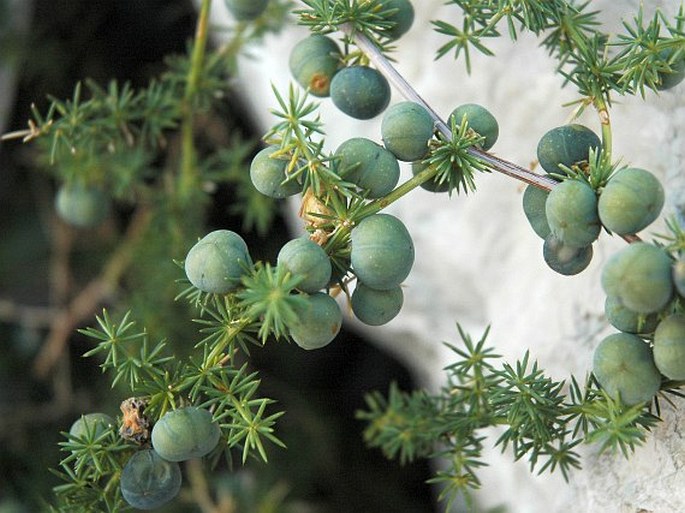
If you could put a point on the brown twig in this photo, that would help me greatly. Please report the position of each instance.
(87, 301)
(199, 487)
(497, 164)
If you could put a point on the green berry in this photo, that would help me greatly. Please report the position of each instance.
(81, 206)
(369, 166)
(376, 307)
(305, 258)
(567, 145)
(631, 200)
(639, 275)
(314, 61)
(147, 481)
(216, 262)
(678, 274)
(269, 175)
(625, 320)
(318, 322)
(624, 366)
(406, 129)
(480, 120)
(246, 10)
(534, 200)
(675, 76)
(669, 347)
(564, 259)
(360, 92)
(92, 423)
(185, 433)
(402, 17)
(382, 251)
(571, 210)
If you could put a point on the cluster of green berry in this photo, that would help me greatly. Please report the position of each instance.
(591, 195)
(644, 282)
(380, 248)
(217, 262)
(645, 287)
(151, 476)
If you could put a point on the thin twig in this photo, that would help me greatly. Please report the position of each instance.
(199, 487)
(30, 316)
(87, 301)
(495, 163)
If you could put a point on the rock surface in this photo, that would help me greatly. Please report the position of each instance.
(478, 262)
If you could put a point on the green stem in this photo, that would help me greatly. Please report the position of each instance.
(112, 482)
(217, 352)
(411, 184)
(605, 122)
(189, 171)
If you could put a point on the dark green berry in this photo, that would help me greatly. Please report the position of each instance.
(567, 145)
(639, 275)
(148, 481)
(185, 433)
(625, 320)
(216, 262)
(269, 175)
(631, 200)
(669, 347)
(624, 367)
(406, 129)
(675, 76)
(304, 258)
(480, 120)
(318, 321)
(402, 17)
(246, 10)
(679, 275)
(360, 92)
(94, 424)
(534, 200)
(82, 206)
(376, 307)
(314, 61)
(368, 165)
(432, 185)
(382, 252)
(571, 210)
(565, 259)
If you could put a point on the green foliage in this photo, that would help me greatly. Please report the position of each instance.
(541, 419)
(587, 57)
(451, 161)
(164, 383)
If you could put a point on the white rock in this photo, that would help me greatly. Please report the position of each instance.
(478, 263)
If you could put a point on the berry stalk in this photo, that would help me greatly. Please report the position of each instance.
(396, 79)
